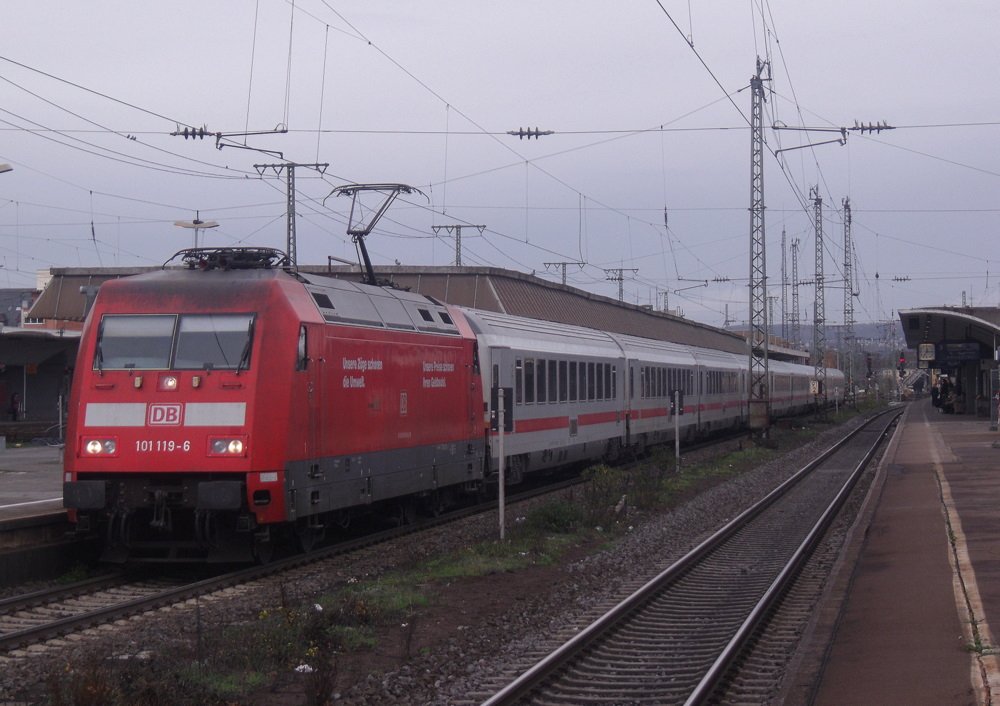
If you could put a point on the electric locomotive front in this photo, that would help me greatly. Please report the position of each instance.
(169, 451)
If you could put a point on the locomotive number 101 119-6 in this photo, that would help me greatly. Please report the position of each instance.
(161, 446)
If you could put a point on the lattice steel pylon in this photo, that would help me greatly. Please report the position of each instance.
(784, 288)
(793, 318)
(759, 392)
(849, 397)
(819, 312)
(289, 168)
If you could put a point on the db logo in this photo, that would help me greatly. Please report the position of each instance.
(164, 415)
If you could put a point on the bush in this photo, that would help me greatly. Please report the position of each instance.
(559, 517)
(604, 489)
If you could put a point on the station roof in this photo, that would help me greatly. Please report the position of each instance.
(491, 289)
(63, 298)
(23, 346)
(964, 324)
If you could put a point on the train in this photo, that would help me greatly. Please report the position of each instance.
(231, 403)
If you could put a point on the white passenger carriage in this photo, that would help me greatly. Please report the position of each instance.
(581, 394)
(722, 388)
(567, 383)
(656, 371)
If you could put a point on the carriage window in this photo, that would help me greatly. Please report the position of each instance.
(591, 379)
(518, 382)
(214, 341)
(600, 381)
(542, 394)
(529, 381)
(141, 342)
(607, 381)
(572, 381)
(553, 385)
(563, 381)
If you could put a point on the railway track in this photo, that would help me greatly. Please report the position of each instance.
(37, 616)
(53, 612)
(57, 611)
(677, 638)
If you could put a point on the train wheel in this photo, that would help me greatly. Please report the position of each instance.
(407, 512)
(308, 537)
(614, 453)
(439, 502)
(263, 549)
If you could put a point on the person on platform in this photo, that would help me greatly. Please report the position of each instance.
(14, 409)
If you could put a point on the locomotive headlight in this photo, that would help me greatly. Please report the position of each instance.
(100, 447)
(168, 383)
(226, 446)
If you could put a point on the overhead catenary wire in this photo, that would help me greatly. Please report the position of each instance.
(685, 237)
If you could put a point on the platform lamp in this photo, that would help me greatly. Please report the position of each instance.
(197, 225)
(6, 168)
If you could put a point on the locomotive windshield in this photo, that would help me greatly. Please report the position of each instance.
(187, 342)
(219, 341)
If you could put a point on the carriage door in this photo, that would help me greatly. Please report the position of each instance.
(313, 362)
(699, 381)
(629, 394)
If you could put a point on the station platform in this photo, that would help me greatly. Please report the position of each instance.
(30, 482)
(912, 613)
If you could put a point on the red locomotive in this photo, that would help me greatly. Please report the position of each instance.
(218, 403)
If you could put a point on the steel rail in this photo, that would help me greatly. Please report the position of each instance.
(531, 679)
(15, 639)
(19, 638)
(713, 677)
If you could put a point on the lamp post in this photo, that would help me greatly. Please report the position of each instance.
(197, 225)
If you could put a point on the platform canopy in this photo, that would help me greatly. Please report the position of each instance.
(959, 334)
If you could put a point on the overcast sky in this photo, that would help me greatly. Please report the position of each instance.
(647, 170)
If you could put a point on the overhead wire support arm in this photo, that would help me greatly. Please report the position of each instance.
(693, 286)
(842, 140)
(563, 266)
(617, 274)
(457, 228)
(289, 169)
(201, 132)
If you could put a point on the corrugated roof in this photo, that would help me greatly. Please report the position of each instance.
(62, 299)
(519, 294)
